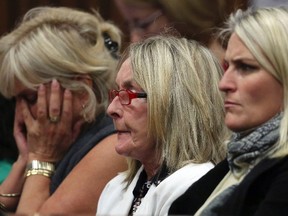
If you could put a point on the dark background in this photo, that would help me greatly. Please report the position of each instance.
(11, 11)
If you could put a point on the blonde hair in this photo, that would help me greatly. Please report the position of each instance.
(265, 33)
(65, 44)
(185, 106)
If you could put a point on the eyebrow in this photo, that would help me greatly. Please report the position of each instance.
(240, 58)
(128, 84)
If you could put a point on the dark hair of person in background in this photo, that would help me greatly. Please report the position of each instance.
(194, 19)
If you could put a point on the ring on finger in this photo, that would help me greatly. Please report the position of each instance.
(54, 119)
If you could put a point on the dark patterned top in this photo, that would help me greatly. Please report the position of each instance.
(143, 185)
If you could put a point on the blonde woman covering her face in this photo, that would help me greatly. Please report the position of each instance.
(163, 111)
(59, 64)
(253, 179)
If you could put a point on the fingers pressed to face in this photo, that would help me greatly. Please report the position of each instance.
(19, 131)
(67, 107)
(18, 111)
(41, 104)
(55, 100)
(26, 114)
(18, 117)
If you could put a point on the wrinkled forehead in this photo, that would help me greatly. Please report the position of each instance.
(125, 77)
(125, 73)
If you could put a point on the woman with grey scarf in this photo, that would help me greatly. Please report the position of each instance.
(253, 179)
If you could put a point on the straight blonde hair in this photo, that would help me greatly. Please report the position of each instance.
(185, 106)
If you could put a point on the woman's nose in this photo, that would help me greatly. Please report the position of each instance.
(227, 82)
(113, 110)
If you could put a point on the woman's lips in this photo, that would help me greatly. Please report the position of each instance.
(230, 104)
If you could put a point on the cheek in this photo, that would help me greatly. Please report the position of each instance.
(255, 95)
(138, 122)
(142, 131)
(263, 101)
(267, 96)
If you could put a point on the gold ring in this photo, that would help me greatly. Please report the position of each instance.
(54, 119)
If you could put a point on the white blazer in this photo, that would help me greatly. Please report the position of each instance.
(116, 200)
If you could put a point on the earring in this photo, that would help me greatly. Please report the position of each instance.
(84, 115)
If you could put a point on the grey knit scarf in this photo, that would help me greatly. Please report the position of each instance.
(244, 151)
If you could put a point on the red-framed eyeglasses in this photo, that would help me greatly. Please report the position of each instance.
(125, 95)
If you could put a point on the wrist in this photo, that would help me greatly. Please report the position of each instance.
(36, 167)
(40, 157)
(21, 161)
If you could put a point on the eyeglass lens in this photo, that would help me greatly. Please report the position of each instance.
(123, 96)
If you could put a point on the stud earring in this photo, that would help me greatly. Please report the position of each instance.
(84, 115)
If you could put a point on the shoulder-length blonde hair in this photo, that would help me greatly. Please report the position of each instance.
(64, 44)
(265, 33)
(185, 106)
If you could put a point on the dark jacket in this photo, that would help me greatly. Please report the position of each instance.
(101, 128)
(264, 191)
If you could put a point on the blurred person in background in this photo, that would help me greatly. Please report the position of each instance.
(193, 19)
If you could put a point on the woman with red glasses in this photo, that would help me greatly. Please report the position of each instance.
(164, 114)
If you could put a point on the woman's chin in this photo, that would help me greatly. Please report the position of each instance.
(122, 149)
